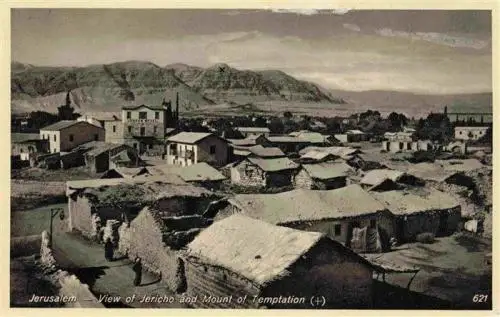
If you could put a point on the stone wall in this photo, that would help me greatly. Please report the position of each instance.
(80, 217)
(24, 246)
(144, 239)
(69, 285)
(204, 280)
(246, 174)
(303, 180)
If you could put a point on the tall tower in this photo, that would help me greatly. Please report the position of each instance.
(176, 106)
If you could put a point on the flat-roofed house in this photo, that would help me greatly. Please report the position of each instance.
(65, 135)
(235, 257)
(326, 175)
(263, 172)
(470, 133)
(428, 210)
(26, 144)
(187, 148)
(253, 131)
(396, 142)
(335, 213)
(387, 179)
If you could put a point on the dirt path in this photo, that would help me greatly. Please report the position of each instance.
(86, 260)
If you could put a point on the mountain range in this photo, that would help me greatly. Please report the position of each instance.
(108, 87)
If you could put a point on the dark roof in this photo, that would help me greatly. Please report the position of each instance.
(58, 126)
(160, 107)
(103, 148)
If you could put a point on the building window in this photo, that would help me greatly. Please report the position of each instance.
(373, 223)
(114, 128)
(96, 137)
(143, 115)
(55, 150)
(129, 114)
(21, 151)
(212, 149)
(408, 146)
(54, 137)
(71, 138)
(155, 129)
(401, 145)
(129, 129)
(460, 132)
(143, 130)
(338, 230)
(157, 115)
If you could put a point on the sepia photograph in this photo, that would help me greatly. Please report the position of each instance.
(251, 158)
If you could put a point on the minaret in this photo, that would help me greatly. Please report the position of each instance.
(68, 99)
(177, 106)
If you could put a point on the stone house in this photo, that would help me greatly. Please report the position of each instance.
(253, 131)
(26, 144)
(403, 142)
(352, 136)
(240, 148)
(263, 172)
(200, 174)
(387, 179)
(64, 136)
(436, 175)
(336, 213)
(91, 203)
(288, 144)
(328, 175)
(249, 265)
(315, 138)
(344, 152)
(125, 172)
(100, 158)
(317, 156)
(470, 133)
(99, 118)
(187, 148)
(427, 210)
(161, 229)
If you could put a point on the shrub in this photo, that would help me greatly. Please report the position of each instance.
(425, 237)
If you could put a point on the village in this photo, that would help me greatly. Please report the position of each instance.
(361, 218)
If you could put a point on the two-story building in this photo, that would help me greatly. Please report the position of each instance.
(65, 135)
(143, 127)
(470, 133)
(187, 148)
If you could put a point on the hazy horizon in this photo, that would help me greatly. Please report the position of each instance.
(422, 52)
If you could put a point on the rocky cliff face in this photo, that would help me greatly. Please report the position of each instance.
(111, 86)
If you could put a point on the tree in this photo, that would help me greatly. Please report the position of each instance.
(287, 115)
(40, 119)
(276, 126)
(396, 121)
(290, 126)
(333, 126)
(436, 127)
(260, 122)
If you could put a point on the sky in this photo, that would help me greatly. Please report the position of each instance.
(421, 51)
